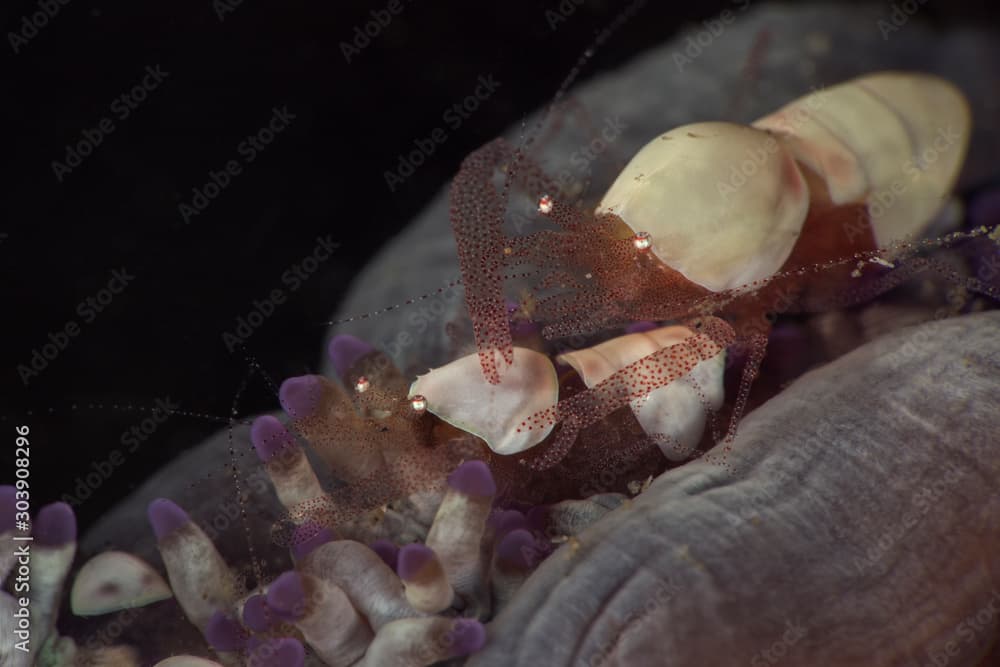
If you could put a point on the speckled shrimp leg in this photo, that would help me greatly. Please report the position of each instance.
(632, 381)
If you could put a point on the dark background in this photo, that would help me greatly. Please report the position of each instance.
(324, 175)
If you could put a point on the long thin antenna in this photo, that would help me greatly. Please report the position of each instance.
(526, 139)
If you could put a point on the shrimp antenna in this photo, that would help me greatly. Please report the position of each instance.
(451, 284)
(396, 306)
(526, 139)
